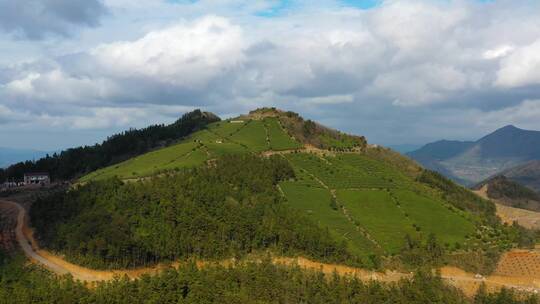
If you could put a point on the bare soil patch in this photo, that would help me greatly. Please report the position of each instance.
(526, 218)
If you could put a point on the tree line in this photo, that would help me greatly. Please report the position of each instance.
(246, 283)
(77, 161)
(227, 209)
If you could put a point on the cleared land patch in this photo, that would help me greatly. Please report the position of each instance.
(519, 263)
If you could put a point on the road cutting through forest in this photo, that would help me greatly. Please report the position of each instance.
(467, 282)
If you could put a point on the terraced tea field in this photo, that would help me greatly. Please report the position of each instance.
(252, 136)
(431, 215)
(220, 138)
(378, 200)
(279, 139)
(367, 208)
(187, 154)
(349, 171)
(316, 203)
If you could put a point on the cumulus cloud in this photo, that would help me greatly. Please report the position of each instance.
(521, 68)
(35, 19)
(400, 67)
(187, 55)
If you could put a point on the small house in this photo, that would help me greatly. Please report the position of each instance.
(37, 178)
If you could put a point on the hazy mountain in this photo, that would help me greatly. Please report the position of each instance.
(470, 162)
(10, 156)
(405, 148)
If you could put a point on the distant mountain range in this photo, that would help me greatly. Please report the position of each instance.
(470, 162)
(405, 148)
(10, 156)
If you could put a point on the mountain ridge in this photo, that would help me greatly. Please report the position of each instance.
(470, 162)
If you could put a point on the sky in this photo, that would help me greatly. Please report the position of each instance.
(73, 72)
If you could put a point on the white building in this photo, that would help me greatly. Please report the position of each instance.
(38, 178)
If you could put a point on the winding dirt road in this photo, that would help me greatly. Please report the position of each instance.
(468, 282)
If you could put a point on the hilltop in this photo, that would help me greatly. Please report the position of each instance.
(470, 162)
(271, 180)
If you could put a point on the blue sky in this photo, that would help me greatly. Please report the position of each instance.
(73, 72)
(283, 6)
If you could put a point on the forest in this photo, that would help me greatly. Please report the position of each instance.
(245, 283)
(228, 209)
(75, 162)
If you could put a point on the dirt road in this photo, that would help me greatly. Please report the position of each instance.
(466, 281)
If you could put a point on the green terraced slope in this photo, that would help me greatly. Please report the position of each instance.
(366, 197)
(220, 138)
(376, 198)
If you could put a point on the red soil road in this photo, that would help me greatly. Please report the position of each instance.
(468, 282)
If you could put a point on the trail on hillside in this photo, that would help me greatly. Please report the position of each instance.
(468, 282)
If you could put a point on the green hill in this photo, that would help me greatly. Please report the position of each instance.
(263, 130)
(75, 162)
(356, 203)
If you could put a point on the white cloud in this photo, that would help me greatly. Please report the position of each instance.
(498, 52)
(525, 115)
(414, 61)
(521, 68)
(187, 55)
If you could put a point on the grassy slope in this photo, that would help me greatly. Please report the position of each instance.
(219, 138)
(315, 201)
(378, 198)
(279, 140)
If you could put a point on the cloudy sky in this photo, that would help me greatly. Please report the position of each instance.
(398, 71)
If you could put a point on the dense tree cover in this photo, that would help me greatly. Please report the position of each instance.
(77, 161)
(246, 283)
(227, 209)
(458, 196)
(500, 187)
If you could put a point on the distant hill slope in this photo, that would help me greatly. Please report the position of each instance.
(510, 193)
(527, 174)
(471, 162)
(373, 200)
(75, 162)
(10, 156)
